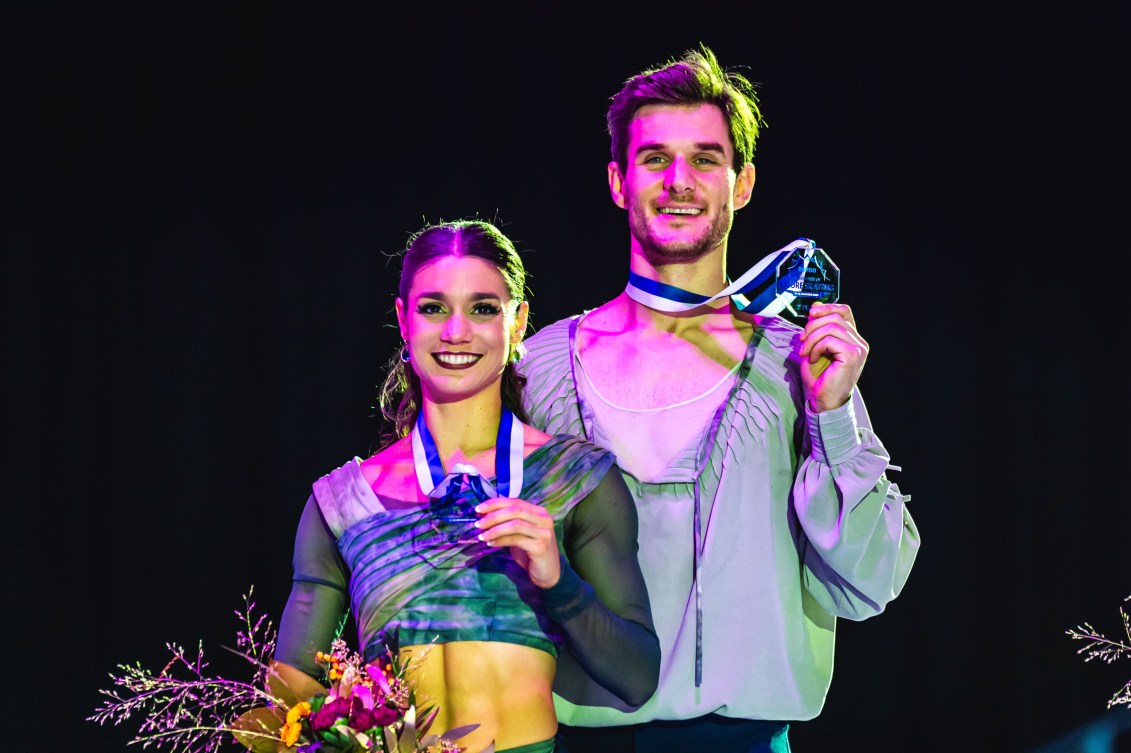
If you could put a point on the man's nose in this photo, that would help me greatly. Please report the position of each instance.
(680, 176)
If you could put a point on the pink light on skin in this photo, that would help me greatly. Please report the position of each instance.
(680, 188)
(459, 322)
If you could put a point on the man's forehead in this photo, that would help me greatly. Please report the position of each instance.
(679, 124)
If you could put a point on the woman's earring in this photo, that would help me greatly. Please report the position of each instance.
(405, 355)
(518, 352)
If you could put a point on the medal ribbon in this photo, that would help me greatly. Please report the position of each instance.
(508, 456)
(756, 290)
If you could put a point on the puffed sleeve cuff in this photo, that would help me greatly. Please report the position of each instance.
(833, 434)
(569, 596)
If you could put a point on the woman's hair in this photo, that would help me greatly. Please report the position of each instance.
(399, 398)
(696, 78)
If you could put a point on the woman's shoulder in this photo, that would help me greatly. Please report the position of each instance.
(369, 469)
(390, 472)
(564, 471)
(356, 488)
(533, 439)
(572, 455)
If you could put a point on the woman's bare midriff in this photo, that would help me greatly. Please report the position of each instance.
(505, 688)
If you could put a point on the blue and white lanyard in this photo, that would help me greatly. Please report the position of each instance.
(508, 456)
(756, 290)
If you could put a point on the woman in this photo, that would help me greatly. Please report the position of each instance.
(481, 606)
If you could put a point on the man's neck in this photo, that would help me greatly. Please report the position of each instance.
(704, 276)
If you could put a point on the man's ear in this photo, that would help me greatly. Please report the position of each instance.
(616, 184)
(744, 186)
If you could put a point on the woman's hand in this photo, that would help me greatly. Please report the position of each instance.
(529, 532)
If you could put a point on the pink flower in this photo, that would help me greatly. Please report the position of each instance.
(379, 679)
(365, 694)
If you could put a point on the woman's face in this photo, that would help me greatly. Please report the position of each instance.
(459, 323)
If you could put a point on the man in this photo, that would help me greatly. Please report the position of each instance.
(765, 512)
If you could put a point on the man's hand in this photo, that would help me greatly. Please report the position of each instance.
(529, 532)
(832, 355)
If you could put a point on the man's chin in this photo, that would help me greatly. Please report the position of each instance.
(674, 253)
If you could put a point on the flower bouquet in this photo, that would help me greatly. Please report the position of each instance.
(366, 707)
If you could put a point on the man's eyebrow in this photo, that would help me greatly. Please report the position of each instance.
(700, 146)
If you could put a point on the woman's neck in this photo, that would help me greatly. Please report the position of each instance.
(464, 429)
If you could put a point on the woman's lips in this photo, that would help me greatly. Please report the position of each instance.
(457, 360)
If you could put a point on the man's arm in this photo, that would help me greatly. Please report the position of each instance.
(860, 540)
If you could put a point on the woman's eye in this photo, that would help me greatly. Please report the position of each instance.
(429, 308)
(485, 309)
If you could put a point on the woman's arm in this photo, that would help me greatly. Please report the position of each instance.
(318, 601)
(601, 601)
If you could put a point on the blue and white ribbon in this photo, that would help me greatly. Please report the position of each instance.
(756, 290)
(508, 457)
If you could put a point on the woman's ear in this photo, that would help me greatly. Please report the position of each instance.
(399, 306)
(518, 329)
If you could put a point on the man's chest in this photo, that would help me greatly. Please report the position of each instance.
(639, 377)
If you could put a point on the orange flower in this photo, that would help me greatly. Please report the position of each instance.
(290, 734)
(293, 727)
(298, 711)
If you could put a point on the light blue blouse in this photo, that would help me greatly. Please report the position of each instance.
(751, 545)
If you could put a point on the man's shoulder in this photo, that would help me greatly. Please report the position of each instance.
(551, 332)
(548, 375)
(548, 347)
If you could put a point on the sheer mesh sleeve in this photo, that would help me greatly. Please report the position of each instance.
(601, 602)
(318, 600)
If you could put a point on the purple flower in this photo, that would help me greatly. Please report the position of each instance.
(331, 711)
(362, 718)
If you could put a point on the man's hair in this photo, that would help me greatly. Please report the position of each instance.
(695, 78)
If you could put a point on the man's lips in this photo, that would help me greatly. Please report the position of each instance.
(680, 211)
(457, 360)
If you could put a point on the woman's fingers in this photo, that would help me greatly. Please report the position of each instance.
(529, 532)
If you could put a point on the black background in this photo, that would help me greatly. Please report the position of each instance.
(199, 208)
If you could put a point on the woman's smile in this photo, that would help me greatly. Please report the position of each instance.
(457, 360)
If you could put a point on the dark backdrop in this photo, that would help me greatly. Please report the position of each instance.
(199, 208)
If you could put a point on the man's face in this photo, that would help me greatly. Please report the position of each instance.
(679, 186)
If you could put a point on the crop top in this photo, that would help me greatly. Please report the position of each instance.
(405, 590)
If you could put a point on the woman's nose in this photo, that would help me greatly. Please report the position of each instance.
(456, 329)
